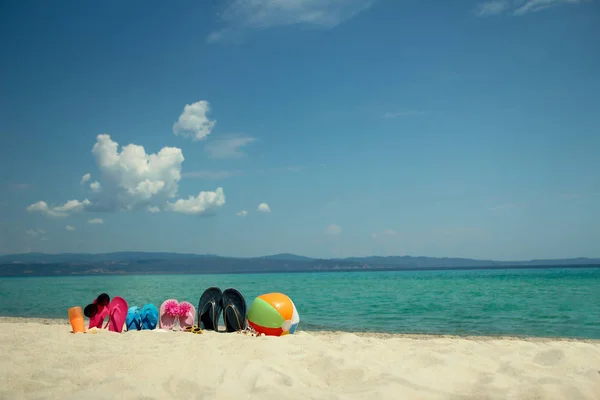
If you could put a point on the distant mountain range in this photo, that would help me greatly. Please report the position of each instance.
(41, 264)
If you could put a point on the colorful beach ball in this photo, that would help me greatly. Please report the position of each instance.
(273, 314)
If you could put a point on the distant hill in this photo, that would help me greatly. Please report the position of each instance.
(445, 262)
(40, 264)
(287, 257)
(87, 257)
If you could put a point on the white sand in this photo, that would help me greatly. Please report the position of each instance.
(41, 359)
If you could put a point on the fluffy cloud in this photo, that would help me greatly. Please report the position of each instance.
(95, 221)
(95, 186)
(242, 213)
(333, 230)
(134, 180)
(69, 228)
(205, 201)
(264, 208)
(58, 211)
(263, 14)
(85, 178)
(194, 122)
(228, 146)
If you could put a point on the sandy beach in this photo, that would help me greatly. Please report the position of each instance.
(43, 360)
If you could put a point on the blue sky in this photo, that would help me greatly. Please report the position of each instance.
(324, 128)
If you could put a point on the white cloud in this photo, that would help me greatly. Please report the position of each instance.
(85, 178)
(58, 211)
(153, 209)
(263, 14)
(212, 175)
(385, 233)
(194, 122)
(69, 228)
(40, 206)
(95, 186)
(242, 213)
(201, 204)
(72, 206)
(228, 146)
(264, 208)
(333, 229)
(131, 180)
(519, 7)
(491, 8)
(95, 221)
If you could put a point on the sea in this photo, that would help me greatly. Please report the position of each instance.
(516, 302)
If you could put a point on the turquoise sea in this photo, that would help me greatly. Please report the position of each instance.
(526, 302)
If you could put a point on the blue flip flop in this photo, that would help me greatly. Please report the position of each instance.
(149, 317)
(134, 319)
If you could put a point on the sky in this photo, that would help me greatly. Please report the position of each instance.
(326, 128)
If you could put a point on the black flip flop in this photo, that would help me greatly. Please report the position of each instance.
(234, 310)
(92, 309)
(209, 309)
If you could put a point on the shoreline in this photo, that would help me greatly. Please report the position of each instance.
(363, 334)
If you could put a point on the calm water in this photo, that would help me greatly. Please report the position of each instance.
(553, 302)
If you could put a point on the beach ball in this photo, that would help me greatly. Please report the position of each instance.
(273, 314)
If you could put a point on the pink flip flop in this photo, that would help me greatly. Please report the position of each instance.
(117, 314)
(187, 315)
(169, 310)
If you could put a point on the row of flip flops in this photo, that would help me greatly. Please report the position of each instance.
(119, 315)
(213, 302)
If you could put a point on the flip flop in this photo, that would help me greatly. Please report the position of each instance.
(187, 315)
(209, 309)
(234, 310)
(149, 316)
(117, 314)
(97, 311)
(169, 310)
(133, 320)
